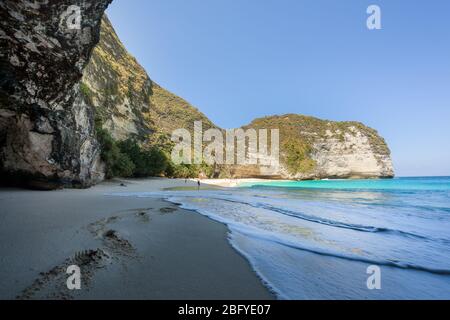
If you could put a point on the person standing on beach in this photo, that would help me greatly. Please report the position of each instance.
(198, 184)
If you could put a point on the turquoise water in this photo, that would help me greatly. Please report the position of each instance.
(316, 239)
(419, 183)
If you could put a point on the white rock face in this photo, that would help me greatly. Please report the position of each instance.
(352, 158)
(353, 151)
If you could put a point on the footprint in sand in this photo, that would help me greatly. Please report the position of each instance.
(52, 284)
(167, 210)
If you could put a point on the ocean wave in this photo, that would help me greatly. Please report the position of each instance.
(268, 236)
(318, 243)
(322, 252)
(356, 227)
(329, 222)
(247, 201)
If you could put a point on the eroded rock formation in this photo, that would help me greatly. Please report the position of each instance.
(312, 148)
(126, 100)
(58, 73)
(47, 136)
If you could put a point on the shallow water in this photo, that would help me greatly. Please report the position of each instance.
(315, 239)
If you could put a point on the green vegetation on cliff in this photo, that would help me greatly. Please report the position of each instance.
(147, 162)
(138, 117)
(127, 159)
(297, 156)
(299, 134)
(117, 163)
(127, 100)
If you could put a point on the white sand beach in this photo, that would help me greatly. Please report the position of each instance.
(127, 248)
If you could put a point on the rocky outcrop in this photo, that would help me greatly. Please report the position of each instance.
(312, 148)
(126, 100)
(60, 74)
(129, 104)
(47, 136)
(354, 155)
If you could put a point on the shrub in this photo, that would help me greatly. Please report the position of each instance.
(151, 162)
(117, 163)
(297, 157)
(128, 159)
(189, 170)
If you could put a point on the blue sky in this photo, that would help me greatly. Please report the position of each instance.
(240, 59)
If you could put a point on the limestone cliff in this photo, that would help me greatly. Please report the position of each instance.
(131, 104)
(311, 148)
(127, 101)
(54, 82)
(47, 136)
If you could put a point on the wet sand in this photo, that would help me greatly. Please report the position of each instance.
(127, 248)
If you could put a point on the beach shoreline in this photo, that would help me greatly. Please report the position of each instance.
(128, 247)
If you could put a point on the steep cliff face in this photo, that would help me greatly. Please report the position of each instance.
(359, 153)
(311, 148)
(55, 81)
(130, 104)
(46, 126)
(127, 101)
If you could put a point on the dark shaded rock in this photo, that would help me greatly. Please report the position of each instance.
(47, 134)
(168, 210)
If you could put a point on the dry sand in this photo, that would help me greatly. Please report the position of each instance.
(127, 248)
